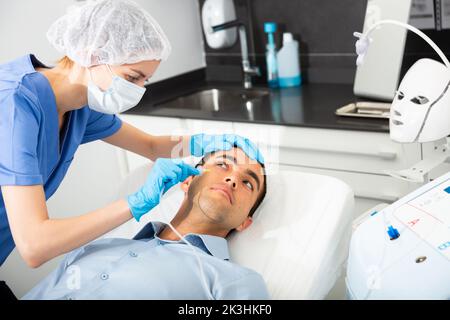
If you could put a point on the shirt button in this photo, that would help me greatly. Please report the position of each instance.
(104, 276)
(133, 254)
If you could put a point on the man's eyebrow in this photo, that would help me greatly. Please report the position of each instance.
(252, 174)
(138, 71)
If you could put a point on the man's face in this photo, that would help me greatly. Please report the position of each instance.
(228, 189)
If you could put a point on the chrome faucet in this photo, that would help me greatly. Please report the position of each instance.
(247, 69)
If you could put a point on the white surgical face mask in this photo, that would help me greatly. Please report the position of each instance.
(121, 95)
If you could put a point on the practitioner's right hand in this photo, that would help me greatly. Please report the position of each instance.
(165, 174)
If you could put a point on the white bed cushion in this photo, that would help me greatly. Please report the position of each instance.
(299, 237)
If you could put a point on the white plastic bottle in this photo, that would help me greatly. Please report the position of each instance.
(288, 63)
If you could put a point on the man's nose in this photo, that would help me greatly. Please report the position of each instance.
(231, 181)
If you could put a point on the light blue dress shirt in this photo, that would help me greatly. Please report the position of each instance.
(31, 152)
(148, 267)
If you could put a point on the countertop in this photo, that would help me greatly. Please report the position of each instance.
(311, 105)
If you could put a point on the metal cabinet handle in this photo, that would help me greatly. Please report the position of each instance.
(383, 198)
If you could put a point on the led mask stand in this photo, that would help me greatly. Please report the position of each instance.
(412, 130)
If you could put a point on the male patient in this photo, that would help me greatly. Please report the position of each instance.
(156, 264)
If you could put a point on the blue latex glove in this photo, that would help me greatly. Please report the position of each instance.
(202, 144)
(165, 174)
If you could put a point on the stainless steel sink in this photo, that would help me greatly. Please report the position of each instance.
(218, 99)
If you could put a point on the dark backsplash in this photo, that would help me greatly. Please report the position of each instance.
(324, 29)
(416, 48)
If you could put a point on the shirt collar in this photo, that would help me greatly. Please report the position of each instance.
(212, 245)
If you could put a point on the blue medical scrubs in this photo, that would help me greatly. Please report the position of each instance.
(31, 152)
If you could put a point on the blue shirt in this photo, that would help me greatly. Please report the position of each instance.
(30, 149)
(148, 267)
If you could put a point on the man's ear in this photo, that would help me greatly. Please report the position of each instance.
(186, 183)
(244, 225)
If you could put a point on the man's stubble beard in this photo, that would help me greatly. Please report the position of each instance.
(205, 205)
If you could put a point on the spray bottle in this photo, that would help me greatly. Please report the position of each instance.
(271, 55)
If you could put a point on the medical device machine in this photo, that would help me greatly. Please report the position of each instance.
(403, 250)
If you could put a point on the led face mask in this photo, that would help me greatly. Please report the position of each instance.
(421, 108)
(121, 95)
